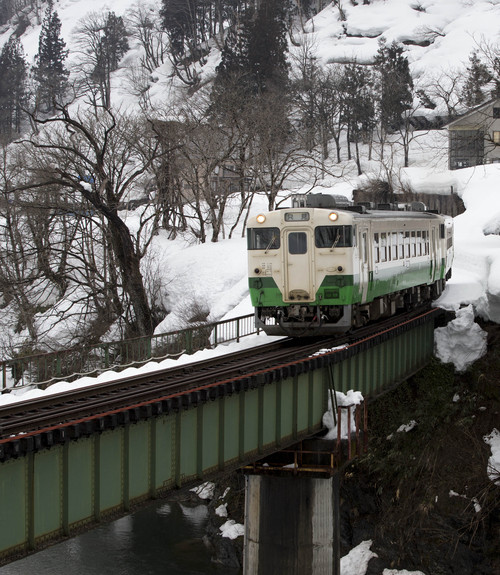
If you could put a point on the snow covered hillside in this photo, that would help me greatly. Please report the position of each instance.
(439, 36)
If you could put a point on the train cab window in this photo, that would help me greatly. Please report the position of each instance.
(333, 237)
(263, 239)
(297, 243)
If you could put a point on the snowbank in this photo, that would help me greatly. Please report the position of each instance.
(462, 341)
(493, 440)
(351, 398)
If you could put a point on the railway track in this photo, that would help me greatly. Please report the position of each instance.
(36, 423)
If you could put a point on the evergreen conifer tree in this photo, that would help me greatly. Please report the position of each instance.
(477, 77)
(232, 83)
(267, 46)
(179, 20)
(110, 44)
(358, 105)
(49, 71)
(255, 52)
(12, 88)
(396, 85)
(115, 41)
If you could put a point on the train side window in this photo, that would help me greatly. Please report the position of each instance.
(413, 246)
(401, 244)
(394, 245)
(376, 248)
(419, 243)
(333, 236)
(407, 244)
(263, 239)
(297, 243)
(442, 233)
(383, 247)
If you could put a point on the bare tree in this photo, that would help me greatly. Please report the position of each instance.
(144, 25)
(206, 164)
(277, 156)
(443, 90)
(408, 133)
(64, 246)
(96, 157)
(18, 271)
(166, 183)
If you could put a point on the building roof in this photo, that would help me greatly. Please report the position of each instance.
(472, 111)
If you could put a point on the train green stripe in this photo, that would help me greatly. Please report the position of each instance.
(345, 289)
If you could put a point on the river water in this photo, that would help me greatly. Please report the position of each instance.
(162, 539)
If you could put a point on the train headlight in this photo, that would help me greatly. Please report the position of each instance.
(261, 218)
(333, 216)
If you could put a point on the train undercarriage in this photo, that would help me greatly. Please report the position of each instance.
(300, 320)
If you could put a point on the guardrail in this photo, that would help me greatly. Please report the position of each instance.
(45, 369)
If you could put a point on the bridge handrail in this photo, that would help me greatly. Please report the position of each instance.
(44, 369)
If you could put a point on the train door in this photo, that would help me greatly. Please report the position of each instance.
(364, 268)
(298, 266)
(434, 254)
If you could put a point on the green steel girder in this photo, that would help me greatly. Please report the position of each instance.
(51, 488)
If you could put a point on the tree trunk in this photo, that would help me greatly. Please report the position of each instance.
(358, 160)
(337, 147)
(129, 265)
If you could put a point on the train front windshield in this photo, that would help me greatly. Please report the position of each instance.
(263, 239)
(333, 237)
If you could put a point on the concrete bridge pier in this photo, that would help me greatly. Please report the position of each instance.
(292, 525)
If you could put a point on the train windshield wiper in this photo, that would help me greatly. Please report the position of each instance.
(273, 239)
(337, 239)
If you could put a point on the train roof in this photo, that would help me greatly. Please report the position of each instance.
(397, 215)
(414, 210)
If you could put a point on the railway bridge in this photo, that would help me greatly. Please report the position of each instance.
(70, 469)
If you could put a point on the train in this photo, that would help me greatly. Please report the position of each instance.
(326, 266)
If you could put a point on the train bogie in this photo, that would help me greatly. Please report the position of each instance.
(321, 270)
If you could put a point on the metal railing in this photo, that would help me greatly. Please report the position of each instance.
(45, 369)
(318, 455)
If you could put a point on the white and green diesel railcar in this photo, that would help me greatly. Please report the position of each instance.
(318, 269)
